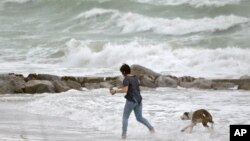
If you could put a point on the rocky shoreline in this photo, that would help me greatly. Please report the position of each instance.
(45, 83)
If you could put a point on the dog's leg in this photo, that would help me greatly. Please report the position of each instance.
(212, 125)
(205, 124)
(211, 131)
(191, 127)
(182, 130)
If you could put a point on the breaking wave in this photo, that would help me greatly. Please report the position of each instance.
(195, 3)
(132, 22)
(229, 61)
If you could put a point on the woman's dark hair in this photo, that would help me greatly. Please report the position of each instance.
(125, 69)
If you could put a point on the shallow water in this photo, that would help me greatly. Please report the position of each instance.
(96, 115)
(200, 38)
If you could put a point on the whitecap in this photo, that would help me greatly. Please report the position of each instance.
(161, 57)
(194, 3)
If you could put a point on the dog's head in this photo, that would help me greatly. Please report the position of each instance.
(185, 116)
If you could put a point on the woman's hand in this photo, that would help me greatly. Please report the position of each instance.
(112, 91)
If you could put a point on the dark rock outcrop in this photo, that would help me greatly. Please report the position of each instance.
(243, 84)
(39, 86)
(198, 83)
(245, 77)
(141, 71)
(48, 77)
(151, 79)
(223, 85)
(146, 76)
(73, 84)
(60, 86)
(11, 83)
(185, 79)
(46, 83)
(165, 81)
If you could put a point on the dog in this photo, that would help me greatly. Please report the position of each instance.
(198, 116)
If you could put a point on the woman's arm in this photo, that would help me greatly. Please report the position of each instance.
(119, 90)
(122, 90)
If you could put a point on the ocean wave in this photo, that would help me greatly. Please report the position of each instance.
(133, 22)
(95, 12)
(16, 1)
(23, 1)
(194, 3)
(136, 23)
(229, 61)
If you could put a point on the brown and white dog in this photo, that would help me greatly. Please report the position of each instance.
(198, 116)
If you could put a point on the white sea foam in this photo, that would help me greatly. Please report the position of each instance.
(98, 111)
(95, 12)
(195, 3)
(16, 1)
(132, 22)
(83, 58)
(219, 62)
(136, 23)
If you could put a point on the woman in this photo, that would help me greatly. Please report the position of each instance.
(133, 100)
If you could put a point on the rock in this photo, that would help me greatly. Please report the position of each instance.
(118, 82)
(11, 83)
(65, 78)
(98, 85)
(244, 86)
(94, 79)
(164, 81)
(45, 89)
(31, 76)
(147, 81)
(81, 80)
(6, 87)
(241, 83)
(173, 77)
(18, 82)
(73, 84)
(40, 83)
(60, 86)
(106, 85)
(186, 84)
(198, 83)
(186, 79)
(101, 80)
(140, 70)
(39, 86)
(202, 83)
(245, 77)
(222, 85)
(146, 76)
(92, 85)
(48, 77)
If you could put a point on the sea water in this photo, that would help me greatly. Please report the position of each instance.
(200, 38)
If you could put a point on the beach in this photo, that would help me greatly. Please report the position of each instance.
(190, 41)
(96, 115)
